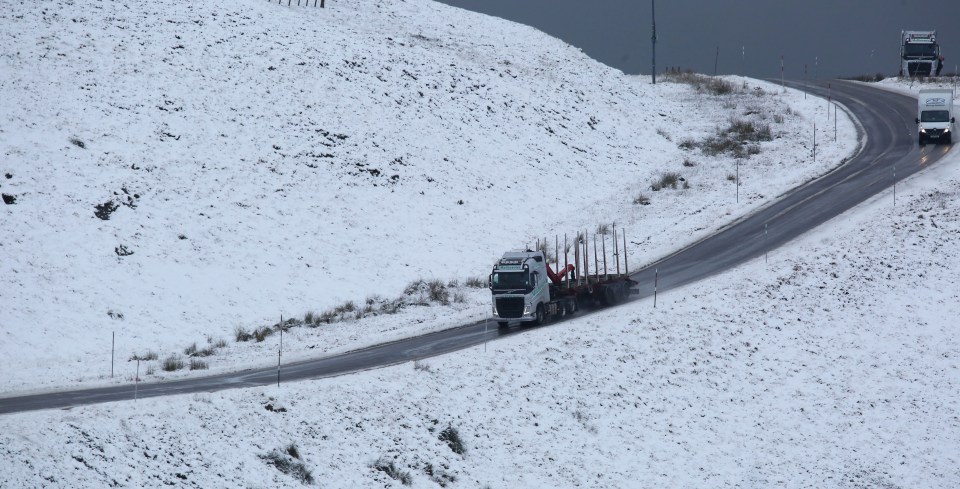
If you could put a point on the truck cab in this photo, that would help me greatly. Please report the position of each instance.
(935, 116)
(520, 287)
(919, 53)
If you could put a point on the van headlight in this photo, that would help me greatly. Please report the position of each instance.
(946, 130)
(923, 130)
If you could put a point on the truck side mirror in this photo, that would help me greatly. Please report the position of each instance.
(490, 281)
(916, 121)
(953, 120)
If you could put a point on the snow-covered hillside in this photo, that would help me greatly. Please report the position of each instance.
(258, 160)
(834, 365)
(181, 169)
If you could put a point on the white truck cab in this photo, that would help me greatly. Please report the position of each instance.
(520, 287)
(935, 116)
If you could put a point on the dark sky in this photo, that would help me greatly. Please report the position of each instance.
(832, 37)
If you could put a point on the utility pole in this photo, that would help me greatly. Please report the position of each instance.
(653, 38)
(716, 59)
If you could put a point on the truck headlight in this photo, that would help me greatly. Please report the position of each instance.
(526, 309)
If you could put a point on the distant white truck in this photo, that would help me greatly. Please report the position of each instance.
(935, 117)
(919, 53)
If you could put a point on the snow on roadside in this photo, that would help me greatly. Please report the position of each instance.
(833, 365)
(261, 161)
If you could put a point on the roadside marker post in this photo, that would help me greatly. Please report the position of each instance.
(113, 345)
(656, 280)
(738, 180)
(136, 381)
(280, 350)
(766, 245)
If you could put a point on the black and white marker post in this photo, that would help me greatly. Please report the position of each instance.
(279, 350)
(656, 281)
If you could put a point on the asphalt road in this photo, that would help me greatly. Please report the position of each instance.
(890, 148)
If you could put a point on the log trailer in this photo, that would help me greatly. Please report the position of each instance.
(525, 288)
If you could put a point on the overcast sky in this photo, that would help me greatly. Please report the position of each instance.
(832, 37)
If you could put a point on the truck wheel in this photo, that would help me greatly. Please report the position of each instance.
(540, 315)
(502, 324)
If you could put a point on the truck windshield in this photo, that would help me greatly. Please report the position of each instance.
(510, 280)
(934, 116)
(919, 50)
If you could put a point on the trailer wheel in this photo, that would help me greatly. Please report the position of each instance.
(609, 296)
(571, 306)
(540, 315)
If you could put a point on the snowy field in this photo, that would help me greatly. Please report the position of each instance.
(181, 170)
(834, 364)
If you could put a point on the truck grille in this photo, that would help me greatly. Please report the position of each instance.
(510, 307)
(919, 68)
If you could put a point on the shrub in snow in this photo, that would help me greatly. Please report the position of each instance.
(149, 355)
(104, 210)
(172, 363)
(288, 462)
(391, 470)
(642, 200)
(451, 437)
(241, 334)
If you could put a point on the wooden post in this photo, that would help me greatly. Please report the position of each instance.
(603, 247)
(586, 257)
(616, 255)
(626, 269)
(596, 259)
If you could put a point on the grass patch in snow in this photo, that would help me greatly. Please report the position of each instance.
(172, 363)
(451, 436)
(197, 364)
(149, 355)
(288, 461)
(667, 179)
(392, 471)
(709, 84)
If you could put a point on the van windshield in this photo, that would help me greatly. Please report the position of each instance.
(510, 280)
(934, 116)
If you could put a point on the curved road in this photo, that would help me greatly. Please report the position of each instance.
(890, 144)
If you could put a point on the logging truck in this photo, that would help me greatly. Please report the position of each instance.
(526, 288)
